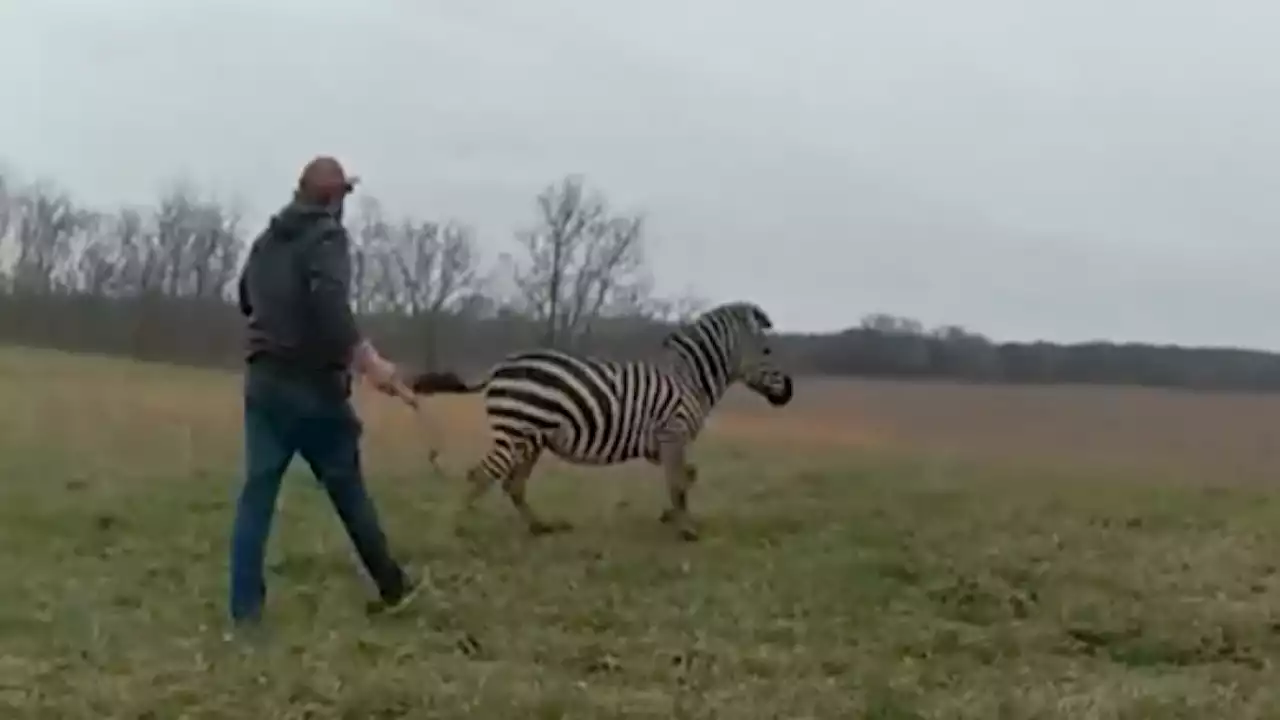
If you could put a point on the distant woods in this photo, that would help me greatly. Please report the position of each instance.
(157, 283)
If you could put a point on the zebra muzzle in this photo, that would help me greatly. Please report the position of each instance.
(783, 395)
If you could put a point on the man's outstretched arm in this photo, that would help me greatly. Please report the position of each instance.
(330, 282)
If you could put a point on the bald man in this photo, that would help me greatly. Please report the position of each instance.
(303, 346)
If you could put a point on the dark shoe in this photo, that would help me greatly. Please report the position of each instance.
(391, 604)
(248, 634)
(248, 622)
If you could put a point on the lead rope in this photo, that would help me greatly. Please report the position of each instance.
(430, 431)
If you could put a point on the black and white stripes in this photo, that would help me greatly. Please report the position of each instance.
(598, 412)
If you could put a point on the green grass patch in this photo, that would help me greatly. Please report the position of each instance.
(868, 585)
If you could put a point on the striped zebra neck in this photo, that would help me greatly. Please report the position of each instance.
(703, 366)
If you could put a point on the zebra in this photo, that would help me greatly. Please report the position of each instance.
(589, 411)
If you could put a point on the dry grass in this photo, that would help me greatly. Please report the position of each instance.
(878, 550)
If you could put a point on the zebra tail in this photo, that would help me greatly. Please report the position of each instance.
(430, 383)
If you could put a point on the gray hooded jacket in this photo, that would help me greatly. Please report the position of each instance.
(295, 288)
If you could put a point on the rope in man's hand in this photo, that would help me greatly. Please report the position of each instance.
(388, 380)
(400, 389)
(433, 453)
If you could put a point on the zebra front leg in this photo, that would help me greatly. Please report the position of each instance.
(515, 485)
(680, 476)
(479, 480)
(691, 476)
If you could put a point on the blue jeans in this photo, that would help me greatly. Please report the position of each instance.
(287, 412)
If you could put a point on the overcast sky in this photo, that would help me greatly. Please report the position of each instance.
(1067, 169)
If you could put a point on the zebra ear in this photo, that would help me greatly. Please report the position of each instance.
(761, 318)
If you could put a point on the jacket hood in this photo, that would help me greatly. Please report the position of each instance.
(294, 219)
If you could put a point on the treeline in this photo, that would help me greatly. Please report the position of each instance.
(156, 283)
(893, 347)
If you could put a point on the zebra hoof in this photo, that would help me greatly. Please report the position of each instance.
(550, 527)
(667, 516)
(688, 534)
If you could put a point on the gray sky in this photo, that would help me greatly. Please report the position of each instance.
(1068, 170)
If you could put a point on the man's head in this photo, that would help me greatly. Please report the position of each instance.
(324, 182)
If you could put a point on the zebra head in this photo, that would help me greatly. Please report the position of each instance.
(758, 369)
(728, 344)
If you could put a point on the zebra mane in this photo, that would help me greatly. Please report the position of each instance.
(741, 315)
(757, 315)
(705, 348)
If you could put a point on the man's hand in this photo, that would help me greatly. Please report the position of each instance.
(383, 375)
(386, 377)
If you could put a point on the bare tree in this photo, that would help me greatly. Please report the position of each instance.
(579, 261)
(434, 269)
(48, 228)
(7, 210)
(6, 207)
(140, 272)
(370, 262)
(676, 310)
(99, 265)
(198, 242)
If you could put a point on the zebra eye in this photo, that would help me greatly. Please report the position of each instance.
(767, 351)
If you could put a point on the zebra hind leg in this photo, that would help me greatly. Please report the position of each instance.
(680, 476)
(515, 484)
(668, 516)
(479, 479)
(495, 464)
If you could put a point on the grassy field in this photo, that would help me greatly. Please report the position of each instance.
(876, 550)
